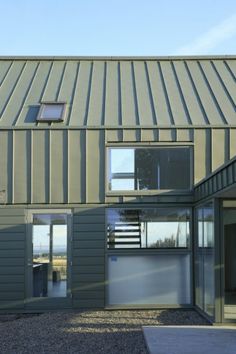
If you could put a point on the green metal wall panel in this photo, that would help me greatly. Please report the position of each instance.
(202, 154)
(22, 166)
(146, 110)
(40, 166)
(6, 156)
(128, 95)
(12, 258)
(113, 99)
(179, 113)
(58, 166)
(88, 272)
(95, 166)
(96, 99)
(219, 148)
(232, 143)
(76, 166)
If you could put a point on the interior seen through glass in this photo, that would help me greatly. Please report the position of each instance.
(229, 217)
(149, 168)
(148, 228)
(49, 255)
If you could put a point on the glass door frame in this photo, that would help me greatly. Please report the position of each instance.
(225, 204)
(46, 302)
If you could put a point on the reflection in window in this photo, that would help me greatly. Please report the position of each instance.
(51, 111)
(49, 255)
(148, 228)
(149, 168)
(205, 259)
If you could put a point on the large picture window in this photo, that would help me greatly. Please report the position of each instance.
(154, 168)
(148, 228)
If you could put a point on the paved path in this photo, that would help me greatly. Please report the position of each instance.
(190, 340)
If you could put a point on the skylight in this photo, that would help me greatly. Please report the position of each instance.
(51, 112)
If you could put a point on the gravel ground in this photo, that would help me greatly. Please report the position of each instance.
(106, 332)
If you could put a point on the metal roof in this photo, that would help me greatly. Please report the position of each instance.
(127, 92)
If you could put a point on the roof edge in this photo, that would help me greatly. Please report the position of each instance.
(116, 58)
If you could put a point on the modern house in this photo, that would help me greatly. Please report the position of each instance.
(118, 183)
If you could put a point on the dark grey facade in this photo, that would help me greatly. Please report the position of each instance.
(60, 184)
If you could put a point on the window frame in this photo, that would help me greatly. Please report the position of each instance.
(51, 120)
(110, 192)
(186, 248)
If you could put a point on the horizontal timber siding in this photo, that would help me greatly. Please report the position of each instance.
(88, 257)
(12, 258)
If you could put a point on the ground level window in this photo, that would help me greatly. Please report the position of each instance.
(148, 228)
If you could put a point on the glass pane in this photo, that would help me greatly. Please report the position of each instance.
(209, 262)
(149, 280)
(49, 255)
(52, 111)
(121, 169)
(229, 218)
(124, 184)
(149, 168)
(148, 228)
(205, 260)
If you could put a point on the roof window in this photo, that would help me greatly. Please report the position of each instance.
(51, 112)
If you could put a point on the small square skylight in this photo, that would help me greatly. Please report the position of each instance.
(51, 112)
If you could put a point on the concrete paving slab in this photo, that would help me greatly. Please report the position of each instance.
(190, 339)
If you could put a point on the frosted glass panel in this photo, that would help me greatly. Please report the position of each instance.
(151, 280)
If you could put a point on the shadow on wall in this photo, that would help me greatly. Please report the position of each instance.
(32, 114)
(12, 263)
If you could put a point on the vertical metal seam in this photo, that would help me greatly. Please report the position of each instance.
(86, 165)
(26, 94)
(61, 81)
(12, 90)
(181, 94)
(212, 93)
(119, 95)
(229, 69)
(165, 94)
(88, 96)
(6, 73)
(29, 139)
(196, 93)
(47, 163)
(211, 150)
(154, 115)
(68, 165)
(137, 118)
(13, 166)
(223, 85)
(10, 161)
(49, 167)
(73, 94)
(227, 147)
(104, 95)
(65, 166)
